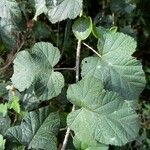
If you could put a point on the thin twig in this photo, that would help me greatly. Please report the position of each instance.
(77, 79)
(92, 50)
(78, 60)
(59, 69)
(113, 19)
(62, 129)
(13, 57)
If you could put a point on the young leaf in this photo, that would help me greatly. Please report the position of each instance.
(116, 68)
(104, 116)
(98, 32)
(2, 143)
(64, 9)
(38, 130)
(82, 27)
(14, 104)
(36, 69)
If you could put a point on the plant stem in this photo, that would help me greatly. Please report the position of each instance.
(78, 50)
(78, 60)
(92, 50)
(113, 16)
(59, 69)
(77, 79)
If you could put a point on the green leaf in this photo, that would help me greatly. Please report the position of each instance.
(82, 27)
(3, 90)
(4, 124)
(10, 16)
(14, 104)
(40, 6)
(36, 69)
(10, 9)
(100, 31)
(38, 130)
(57, 11)
(97, 148)
(121, 7)
(29, 100)
(86, 146)
(41, 31)
(65, 9)
(19, 148)
(113, 29)
(3, 109)
(116, 68)
(6, 30)
(2, 143)
(104, 116)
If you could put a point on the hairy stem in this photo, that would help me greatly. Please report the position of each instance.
(92, 50)
(77, 79)
(59, 69)
(78, 60)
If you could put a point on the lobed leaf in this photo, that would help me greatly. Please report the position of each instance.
(38, 130)
(63, 10)
(104, 116)
(116, 68)
(36, 69)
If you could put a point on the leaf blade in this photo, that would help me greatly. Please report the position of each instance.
(117, 68)
(38, 130)
(105, 116)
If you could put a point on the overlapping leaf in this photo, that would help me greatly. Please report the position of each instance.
(104, 116)
(66, 9)
(57, 11)
(40, 6)
(10, 15)
(116, 68)
(36, 69)
(38, 130)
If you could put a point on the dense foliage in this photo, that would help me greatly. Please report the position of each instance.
(74, 74)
